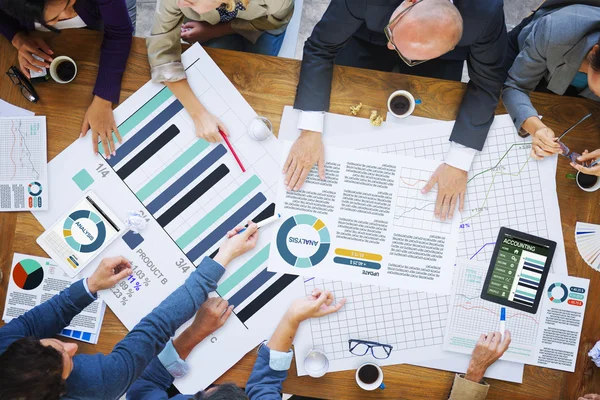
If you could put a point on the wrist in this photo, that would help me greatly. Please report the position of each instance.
(533, 124)
(185, 343)
(17, 40)
(102, 102)
(223, 258)
(310, 133)
(292, 320)
(92, 285)
(475, 373)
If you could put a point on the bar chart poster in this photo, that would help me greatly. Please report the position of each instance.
(191, 193)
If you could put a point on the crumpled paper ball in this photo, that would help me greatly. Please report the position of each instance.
(595, 354)
(136, 221)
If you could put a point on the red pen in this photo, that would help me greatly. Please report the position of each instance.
(228, 143)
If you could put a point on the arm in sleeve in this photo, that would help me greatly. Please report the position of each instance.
(464, 389)
(132, 354)
(49, 318)
(115, 49)
(9, 26)
(526, 72)
(164, 43)
(330, 35)
(487, 74)
(153, 384)
(268, 374)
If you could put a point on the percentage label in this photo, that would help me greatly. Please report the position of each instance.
(146, 281)
(124, 300)
(130, 292)
(137, 286)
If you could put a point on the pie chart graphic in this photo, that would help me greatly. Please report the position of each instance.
(28, 274)
(303, 241)
(84, 231)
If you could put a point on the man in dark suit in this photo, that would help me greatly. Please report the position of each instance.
(430, 38)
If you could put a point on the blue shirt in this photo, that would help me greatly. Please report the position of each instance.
(580, 81)
(265, 382)
(108, 376)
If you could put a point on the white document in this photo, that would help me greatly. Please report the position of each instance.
(10, 110)
(191, 192)
(548, 339)
(367, 222)
(23, 164)
(34, 280)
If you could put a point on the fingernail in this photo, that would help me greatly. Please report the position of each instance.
(108, 157)
(114, 153)
(81, 135)
(95, 153)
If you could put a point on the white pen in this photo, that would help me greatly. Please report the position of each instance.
(502, 321)
(264, 222)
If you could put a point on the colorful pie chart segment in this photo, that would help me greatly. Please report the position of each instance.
(28, 274)
(83, 221)
(303, 241)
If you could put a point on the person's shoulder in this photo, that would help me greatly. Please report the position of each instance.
(480, 11)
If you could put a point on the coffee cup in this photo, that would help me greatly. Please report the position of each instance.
(316, 363)
(369, 377)
(586, 182)
(401, 104)
(63, 69)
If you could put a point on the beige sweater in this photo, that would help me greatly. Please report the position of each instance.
(164, 42)
(464, 389)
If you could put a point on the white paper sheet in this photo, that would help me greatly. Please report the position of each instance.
(549, 338)
(9, 110)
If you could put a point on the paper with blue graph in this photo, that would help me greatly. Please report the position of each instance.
(191, 192)
(548, 339)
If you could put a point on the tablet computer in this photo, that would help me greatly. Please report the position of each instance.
(518, 270)
(81, 234)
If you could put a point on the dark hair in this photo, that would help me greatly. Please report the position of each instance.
(28, 11)
(31, 371)
(594, 58)
(226, 391)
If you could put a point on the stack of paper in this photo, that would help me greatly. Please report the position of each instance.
(33, 280)
(587, 237)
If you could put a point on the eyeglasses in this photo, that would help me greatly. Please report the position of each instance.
(573, 156)
(21, 80)
(390, 36)
(360, 347)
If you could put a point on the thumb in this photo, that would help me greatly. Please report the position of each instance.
(322, 168)
(85, 127)
(122, 275)
(250, 230)
(187, 25)
(41, 43)
(430, 184)
(321, 299)
(589, 156)
(227, 313)
(222, 127)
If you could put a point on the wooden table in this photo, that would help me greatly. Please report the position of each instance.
(269, 84)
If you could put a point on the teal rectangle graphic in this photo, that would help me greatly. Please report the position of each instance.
(220, 210)
(83, 179)
(244, 271)
(537, 262)
(177, 165)
(141, 114)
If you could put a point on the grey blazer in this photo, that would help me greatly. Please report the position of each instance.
(552, 46)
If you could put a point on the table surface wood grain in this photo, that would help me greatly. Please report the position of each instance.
(269, 84)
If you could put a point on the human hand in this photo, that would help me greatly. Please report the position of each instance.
(318, 304)
(544, 144)
(306, 151)
(237, 244)
(590, 397)
(588, 158)
(207, 127)
(195, 31)
(28, 45)
(488, 350)
(110, 271)
(99, 117)
(211, 316)
(452, 186)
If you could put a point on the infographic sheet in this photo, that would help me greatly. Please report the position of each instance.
(365, 223)
(548, 339)
(23, 164)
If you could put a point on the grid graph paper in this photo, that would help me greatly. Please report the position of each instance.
(22, 149)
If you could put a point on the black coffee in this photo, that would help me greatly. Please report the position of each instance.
(65, 70)
(368, 374)
(586, 181)
(400, 104)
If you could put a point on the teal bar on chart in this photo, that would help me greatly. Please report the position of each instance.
(163, 176)
(244, 271)
(215, 214)
(141, 114)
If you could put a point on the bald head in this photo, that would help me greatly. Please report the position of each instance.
(428, 30)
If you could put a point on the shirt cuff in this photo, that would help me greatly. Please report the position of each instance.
(170, 72)
(460, 156)
(466, 389)
(311, 121)
(170, 359)
(278, 360)
(87, 289)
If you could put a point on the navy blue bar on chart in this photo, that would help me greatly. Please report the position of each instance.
(134, 141)
(230, 223)
(251, 287)
(190, 197)
(151, 149)
(180, 184)
(262, 299)
(132, 239)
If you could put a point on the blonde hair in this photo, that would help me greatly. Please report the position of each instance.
(230, 4)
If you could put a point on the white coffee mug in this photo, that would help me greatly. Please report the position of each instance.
(316, 363)
(54, 64)
(410, 98)
(378, 384)
(593, 188)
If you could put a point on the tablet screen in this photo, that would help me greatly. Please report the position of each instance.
(518, 272)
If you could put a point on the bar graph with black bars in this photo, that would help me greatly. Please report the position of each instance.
(197, 193)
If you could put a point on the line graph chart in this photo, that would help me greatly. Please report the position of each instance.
(22, 149)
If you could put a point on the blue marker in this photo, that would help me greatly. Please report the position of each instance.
(502, 320)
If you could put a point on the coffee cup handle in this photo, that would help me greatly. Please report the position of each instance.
(382, 386)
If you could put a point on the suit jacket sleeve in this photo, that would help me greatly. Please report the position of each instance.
(487, 74)
(526, 72)
(329, 36)
(464, 389)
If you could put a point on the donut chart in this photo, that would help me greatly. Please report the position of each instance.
(80, 216)
(303, 260)
(28, 274)
(34, 189)
(565, 292)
